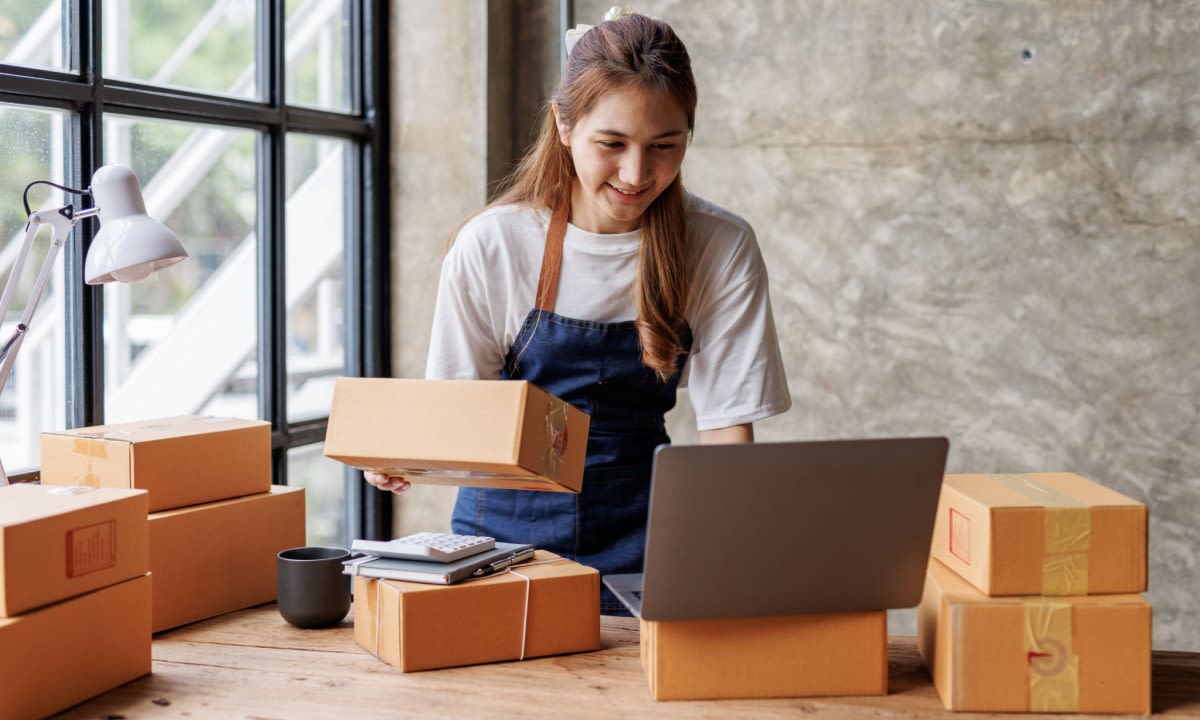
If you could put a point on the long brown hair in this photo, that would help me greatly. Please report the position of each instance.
(634, 51)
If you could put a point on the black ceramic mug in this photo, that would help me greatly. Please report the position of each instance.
(312, 591)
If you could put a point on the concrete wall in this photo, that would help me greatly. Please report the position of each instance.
(980, 219)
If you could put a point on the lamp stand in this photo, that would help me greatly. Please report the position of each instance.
(61, 221)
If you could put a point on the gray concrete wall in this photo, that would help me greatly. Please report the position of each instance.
(980, 219)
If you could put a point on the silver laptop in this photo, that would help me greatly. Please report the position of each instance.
(786, 528)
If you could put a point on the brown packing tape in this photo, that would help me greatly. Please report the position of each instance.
(1066, 536)
(1053, 664)
(90, 446)
(556, 436)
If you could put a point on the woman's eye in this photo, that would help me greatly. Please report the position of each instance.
(611, 145)
(664, 146)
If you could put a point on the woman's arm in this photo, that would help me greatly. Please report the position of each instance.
(743, 433)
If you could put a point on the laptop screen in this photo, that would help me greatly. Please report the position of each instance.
(788, 528)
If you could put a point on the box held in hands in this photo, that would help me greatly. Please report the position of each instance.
(507, 434)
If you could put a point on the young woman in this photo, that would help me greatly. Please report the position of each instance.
(597, 277)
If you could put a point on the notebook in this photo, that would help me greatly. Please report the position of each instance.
(439, 573)
(786, 528)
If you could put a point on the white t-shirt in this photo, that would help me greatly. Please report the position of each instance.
(734, 373)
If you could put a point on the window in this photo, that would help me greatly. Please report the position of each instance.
(258, 131)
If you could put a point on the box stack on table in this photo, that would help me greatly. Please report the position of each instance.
(1032, 599)
(215, 521)
(74, 595)
(507, 434)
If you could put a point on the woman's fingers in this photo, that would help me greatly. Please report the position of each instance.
(391, 483)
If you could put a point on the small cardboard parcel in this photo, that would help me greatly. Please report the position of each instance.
(507, 434)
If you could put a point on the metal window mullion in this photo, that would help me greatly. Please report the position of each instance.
(85, 303)
(371, 331)
(271, 191)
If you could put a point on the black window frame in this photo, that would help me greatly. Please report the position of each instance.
(88, 95)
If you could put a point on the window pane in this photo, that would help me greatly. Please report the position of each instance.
(34, 399)
(184, 340)
(31, 33)
(316, 242)
(325, 494)
(317, 48)
(203, 45)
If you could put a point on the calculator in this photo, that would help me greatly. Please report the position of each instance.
(430, 546)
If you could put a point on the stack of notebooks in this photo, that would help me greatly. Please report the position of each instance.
(402, 566)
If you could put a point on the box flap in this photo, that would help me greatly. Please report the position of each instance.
(160, 428)
(26, 502)
(1036, 489)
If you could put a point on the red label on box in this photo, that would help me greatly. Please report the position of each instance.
(91, 548)
(960, 536)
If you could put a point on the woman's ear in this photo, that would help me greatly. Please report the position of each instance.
(564, 133)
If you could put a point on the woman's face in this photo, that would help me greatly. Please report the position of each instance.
(626, 151)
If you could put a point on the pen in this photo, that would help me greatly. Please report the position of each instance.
(503, 563)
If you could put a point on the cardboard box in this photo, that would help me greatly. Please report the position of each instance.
(56, 544)
(180, 461)
(813, 655)
(219, 557)
(1087, 653)
(415, 626)
(484, 433)
(72, 651)
(1041, 534)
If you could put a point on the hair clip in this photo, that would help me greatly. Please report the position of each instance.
(614, 13)
(619, 11)
(573, 36)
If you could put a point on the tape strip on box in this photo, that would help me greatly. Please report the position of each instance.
(1053, 664)
(556, 439)
(1066, 539)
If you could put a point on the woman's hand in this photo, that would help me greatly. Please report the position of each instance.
(394, 483)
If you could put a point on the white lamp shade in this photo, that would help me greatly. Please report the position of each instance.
(130, 244)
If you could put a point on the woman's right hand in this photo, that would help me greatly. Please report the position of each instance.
(394, 483)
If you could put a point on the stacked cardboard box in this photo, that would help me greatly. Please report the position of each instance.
(215, 521)
(548, 606)
(74, 595)
(763, 657)
(1032, 599)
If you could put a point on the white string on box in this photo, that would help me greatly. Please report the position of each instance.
(524, 617)
(528, 587)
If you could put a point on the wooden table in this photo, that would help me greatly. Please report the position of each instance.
(251, 664)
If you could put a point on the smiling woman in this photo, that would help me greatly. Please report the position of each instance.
(640, 284)
(627, 150)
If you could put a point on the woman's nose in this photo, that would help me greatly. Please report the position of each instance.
(634, 169)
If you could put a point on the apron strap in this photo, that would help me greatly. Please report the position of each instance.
(547, 287)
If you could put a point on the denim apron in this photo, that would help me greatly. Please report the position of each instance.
(597, 367)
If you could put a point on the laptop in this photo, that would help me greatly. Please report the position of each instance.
(786, 528)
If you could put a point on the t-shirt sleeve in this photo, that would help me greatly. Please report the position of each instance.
(465, 342)
(735, 372)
